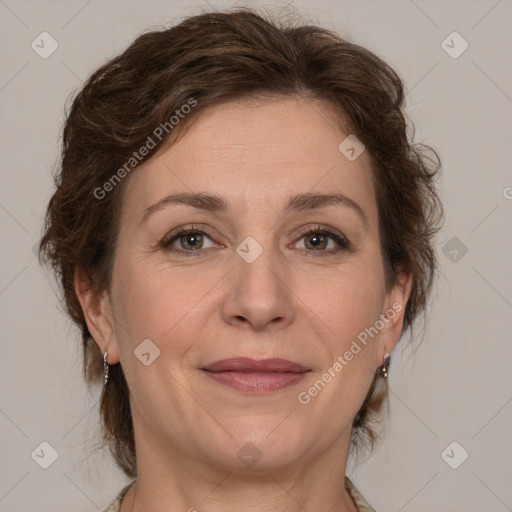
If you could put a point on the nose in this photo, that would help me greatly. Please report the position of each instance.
(260, 294)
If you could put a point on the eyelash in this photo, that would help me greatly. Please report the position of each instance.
(341, 240)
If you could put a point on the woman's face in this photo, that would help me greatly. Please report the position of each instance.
(248, 281)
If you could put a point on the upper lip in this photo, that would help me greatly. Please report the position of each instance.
(245, 364)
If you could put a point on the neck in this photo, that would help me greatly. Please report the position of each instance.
(191, 485)
(239, 494)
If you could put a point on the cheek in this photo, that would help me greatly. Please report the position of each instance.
(348, 301)
(350, 304)
(159, 304)
(354, 303)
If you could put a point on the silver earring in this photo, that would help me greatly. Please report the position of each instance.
(385, 365)
(105, 368)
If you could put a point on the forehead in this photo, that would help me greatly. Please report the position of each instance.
(266, 130)
(255, 150)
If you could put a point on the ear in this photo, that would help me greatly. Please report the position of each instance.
(393, 316)
(97, 310)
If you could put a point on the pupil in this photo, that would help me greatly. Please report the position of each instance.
(191, 240)
(316, 240)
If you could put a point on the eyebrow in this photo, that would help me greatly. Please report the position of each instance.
(214, 203)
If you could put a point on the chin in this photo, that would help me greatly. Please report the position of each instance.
(262, 443)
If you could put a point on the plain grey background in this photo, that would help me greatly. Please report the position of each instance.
(456, 387)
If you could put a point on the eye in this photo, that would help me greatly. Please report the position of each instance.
(319, 239)
(187, 240)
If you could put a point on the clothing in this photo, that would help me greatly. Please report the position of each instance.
(115, 506)
(361, 504)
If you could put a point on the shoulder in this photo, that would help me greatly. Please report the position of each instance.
(115, 506)
(361, 504)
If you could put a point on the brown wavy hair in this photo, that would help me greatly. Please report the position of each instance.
(216, 57)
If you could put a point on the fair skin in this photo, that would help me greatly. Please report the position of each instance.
(290, 303)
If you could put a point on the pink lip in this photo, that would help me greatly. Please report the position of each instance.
(261, 376)
(245, 364)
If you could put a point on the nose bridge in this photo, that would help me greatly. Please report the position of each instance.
(257, 263)
(258, 293)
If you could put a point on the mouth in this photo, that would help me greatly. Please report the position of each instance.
(258, 377)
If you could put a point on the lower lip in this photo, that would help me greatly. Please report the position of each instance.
(257, 382)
